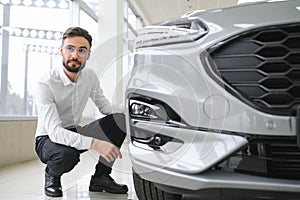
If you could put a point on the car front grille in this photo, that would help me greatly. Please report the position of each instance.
(276, 157)
(262, 67)
(285, 160)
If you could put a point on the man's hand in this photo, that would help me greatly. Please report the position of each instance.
(109, 151)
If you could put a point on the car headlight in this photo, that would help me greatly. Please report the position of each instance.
(175, 31)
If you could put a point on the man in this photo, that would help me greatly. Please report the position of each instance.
(61, 96)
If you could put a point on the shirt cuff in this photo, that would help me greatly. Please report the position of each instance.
(86, 142)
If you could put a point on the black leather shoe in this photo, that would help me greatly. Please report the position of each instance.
(52, 186)
(107, 184)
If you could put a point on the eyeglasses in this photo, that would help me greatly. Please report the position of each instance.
(82, 52)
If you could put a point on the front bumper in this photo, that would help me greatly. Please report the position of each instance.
(188, 162)
(188, 183)
(188, 151)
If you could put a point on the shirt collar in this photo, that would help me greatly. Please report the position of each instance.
(65, 79)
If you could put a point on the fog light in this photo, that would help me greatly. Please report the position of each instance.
(143, 110)
(153, 111)
(138, 109)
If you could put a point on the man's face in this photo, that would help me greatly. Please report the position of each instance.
(75, 51)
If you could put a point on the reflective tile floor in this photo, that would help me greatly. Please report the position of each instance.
(25, 181)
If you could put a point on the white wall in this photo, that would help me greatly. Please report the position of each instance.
(17, 141)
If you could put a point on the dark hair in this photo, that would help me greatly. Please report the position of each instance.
(77, 31)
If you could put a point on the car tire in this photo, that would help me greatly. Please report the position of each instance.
(147, 190)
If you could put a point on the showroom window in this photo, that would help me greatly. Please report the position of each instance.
(133, 22)
(30, 34)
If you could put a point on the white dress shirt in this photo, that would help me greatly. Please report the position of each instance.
(60, 104)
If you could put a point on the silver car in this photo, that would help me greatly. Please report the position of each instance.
(213, 104)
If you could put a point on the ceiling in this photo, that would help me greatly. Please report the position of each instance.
(153, 11)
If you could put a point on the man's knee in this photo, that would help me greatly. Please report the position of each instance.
(117, 132)
(119, 120)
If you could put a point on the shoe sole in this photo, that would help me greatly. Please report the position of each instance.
(99, 189)
(53, 195)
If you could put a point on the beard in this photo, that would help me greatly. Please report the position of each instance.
(73, 67)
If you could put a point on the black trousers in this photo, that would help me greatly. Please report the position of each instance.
(61, 159)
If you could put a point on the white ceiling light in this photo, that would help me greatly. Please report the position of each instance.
(33, 33)
(18, 32)
(27, 2)
(16, 2)
(37, 48)
(51, 4)
(41, 34)
(39, 3)
(43, 49)
(4, 1)
(63, 4)
(49, 49)
(55, 50)
(25, 32)
(49, 35)
(57, 35)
